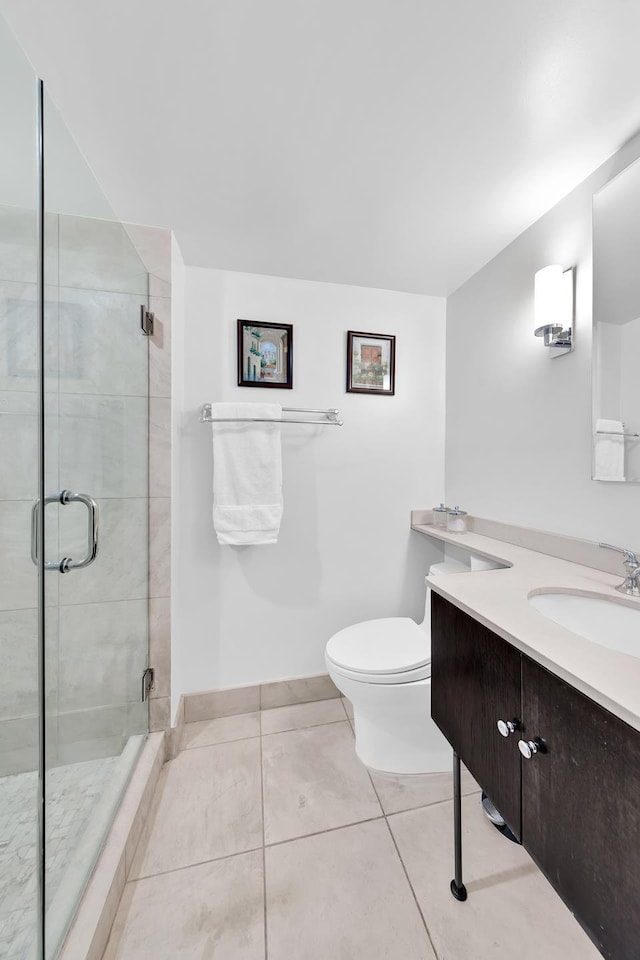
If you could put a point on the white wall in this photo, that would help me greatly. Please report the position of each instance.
(518, 445)
(345, 553)
(70, 185)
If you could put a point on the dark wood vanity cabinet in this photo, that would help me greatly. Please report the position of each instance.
(576, 803)
(475, 681)
(581, 808)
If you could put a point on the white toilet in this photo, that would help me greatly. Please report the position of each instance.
(384, 668)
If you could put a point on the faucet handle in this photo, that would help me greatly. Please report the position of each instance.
(629, 556)
(631, 583)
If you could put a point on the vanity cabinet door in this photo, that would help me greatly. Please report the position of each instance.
(475, 681)
(581, 809)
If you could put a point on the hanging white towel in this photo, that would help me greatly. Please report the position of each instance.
(609, 450)
(247, 474)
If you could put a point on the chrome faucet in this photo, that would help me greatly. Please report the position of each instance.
(631, 583)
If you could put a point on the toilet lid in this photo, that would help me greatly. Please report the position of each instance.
(388, 646)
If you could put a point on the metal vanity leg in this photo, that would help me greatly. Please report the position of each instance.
(458, 888)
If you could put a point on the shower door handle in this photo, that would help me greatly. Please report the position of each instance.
(67, 564)
(92, 531)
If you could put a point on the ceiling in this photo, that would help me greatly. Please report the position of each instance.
(388, 143)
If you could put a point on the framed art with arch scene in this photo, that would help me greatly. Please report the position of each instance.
(265, 354)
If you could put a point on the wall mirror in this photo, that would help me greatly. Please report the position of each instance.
(616, 329)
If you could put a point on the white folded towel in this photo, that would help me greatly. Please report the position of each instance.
(247, 474)
(609, 450)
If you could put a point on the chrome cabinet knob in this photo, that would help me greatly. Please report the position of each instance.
(507, 727)
(528, 748)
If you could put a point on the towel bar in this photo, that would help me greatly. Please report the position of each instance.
(332, 417)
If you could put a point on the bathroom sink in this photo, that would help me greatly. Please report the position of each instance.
(610, 624)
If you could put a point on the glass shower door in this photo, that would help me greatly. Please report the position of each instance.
(19, 437)
(96, 470)
(73, 442)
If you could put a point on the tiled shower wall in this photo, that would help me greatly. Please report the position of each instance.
(154, 247)
(19, 485)
(99, 416)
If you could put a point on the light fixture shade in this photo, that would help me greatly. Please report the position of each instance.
(553, 305)
(550, 297)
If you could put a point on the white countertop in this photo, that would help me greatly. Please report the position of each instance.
(500, 600)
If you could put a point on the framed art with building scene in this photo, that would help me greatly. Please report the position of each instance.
(371, 363)
(265, 354)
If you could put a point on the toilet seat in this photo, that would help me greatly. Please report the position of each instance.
(389, 650)
(422, 673)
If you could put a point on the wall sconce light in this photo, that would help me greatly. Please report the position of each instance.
(553, 289)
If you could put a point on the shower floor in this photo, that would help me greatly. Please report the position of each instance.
(73, 792)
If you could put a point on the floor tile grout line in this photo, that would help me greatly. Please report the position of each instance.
(264, 852)
(188, 866)
(296, 703)
(319, 833)
(220, 743)
(426, 806)
(254, 736)
(413, 893)
(404, 869)
(310, 726)
(373, 787)
(259, 708)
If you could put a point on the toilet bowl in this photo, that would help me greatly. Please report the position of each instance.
(384, 668)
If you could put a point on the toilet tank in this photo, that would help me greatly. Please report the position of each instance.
(440, 570)
(449, 566)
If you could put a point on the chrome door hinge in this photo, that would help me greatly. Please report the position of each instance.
(146, 321)
(148, 682)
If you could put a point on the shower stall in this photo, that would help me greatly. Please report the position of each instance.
(73, 515)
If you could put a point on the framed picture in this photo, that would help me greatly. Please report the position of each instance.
(265, 354)
(371, 363)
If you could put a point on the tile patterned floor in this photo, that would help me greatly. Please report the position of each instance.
(72, 791)
(269, 839)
